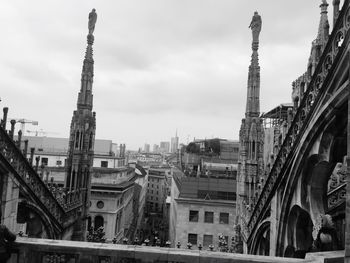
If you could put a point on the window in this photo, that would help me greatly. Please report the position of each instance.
(59, 162)
(193, 216)
(226, 239)
(98, 222)
(100, 204)
(104, 164)
(208, 217)
(207, 240)
(224, 218)
(192, 238)
(44, 161)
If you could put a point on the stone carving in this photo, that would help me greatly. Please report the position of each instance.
(27, 175)
(255, 26)
(337, 177)
(298, 124)
(92, 21)
(324, 234)
(237, 242)
(58, 258)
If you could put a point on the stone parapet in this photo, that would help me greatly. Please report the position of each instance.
(30, 250)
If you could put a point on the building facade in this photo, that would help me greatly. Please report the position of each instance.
(201, 209)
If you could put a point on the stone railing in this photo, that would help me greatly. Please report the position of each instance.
(33, 185)
(28, 178)
(336, 43)
(336, 192)
(336, 197)
(30, 250)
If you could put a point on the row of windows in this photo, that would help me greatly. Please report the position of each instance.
(151, 191)
(151, 205)
(151, 198)
(216, 195)
(208, 217)
(45, 161)
(153, 186)
(153, 180)
(207, 239)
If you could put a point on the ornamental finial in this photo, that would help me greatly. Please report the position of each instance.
(255, 26)
(92, 21)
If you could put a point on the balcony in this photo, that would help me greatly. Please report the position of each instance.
(45, 250)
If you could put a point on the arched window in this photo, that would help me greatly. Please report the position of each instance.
(98, 222)
(253, 150)
(81, 140)
(90, 141)
(77, 140)
(73, 179)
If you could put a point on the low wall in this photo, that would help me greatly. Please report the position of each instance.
(31, 250)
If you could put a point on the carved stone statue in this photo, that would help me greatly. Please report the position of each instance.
(324, 234)
(92, 21)
(255, 25)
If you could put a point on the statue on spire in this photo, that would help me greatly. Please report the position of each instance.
(92, 21)
(255, 25)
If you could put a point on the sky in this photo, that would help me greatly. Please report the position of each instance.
(160, 65)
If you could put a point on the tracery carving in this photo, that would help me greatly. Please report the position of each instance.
(306, 107)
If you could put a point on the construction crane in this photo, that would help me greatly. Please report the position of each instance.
(23, 123)
(40, 132)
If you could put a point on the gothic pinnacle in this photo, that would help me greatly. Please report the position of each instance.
(85, 97)
(253, 89)
(255, 26)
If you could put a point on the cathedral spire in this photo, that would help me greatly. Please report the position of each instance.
(85, 95)
(253, 89)
(82, 140)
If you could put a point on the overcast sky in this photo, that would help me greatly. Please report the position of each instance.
(160, 65)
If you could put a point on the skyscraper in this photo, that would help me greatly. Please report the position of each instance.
(165, 147)
(174, 143)
(146, 148)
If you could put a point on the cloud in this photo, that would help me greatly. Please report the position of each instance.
(159, 65)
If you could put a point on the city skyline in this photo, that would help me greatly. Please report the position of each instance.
(158, 66)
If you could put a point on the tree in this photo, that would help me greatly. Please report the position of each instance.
(192, 148)
(96, 235)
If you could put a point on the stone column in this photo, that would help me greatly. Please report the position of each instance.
(274, 225)
(347, 207)
(9, 202)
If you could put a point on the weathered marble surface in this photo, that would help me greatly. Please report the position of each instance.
(44, 250)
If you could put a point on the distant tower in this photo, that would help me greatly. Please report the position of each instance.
(174, 143)
(251, 134)
(82, 139)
